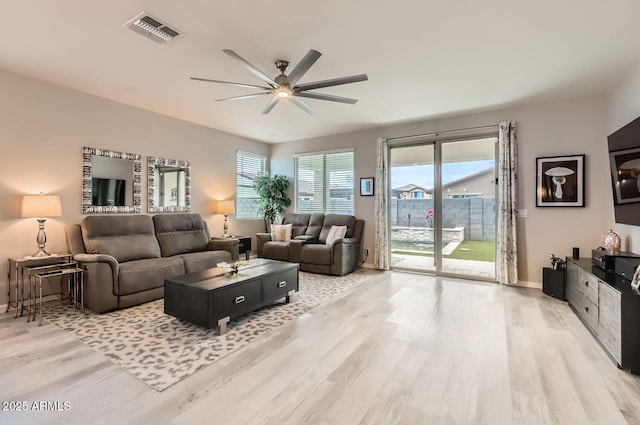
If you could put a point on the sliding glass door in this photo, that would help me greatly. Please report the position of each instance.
(412, 208)
(442, 207)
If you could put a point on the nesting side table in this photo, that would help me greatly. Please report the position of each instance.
(18, 273)
(69, 270)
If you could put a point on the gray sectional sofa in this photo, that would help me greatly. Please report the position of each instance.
(126, 257)
(308, 247)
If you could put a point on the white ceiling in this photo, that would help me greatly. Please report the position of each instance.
(424, 58)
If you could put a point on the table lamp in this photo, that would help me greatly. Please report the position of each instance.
(226, 208)
(41, 207)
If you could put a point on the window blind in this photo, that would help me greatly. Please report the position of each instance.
(324, 183)
(248, 166)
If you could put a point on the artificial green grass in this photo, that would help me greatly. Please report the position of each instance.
(467, 250)
(475, 250)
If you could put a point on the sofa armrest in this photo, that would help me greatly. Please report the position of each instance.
(306, 238)
(264, 237)
(101, 281)
(232, 245)
(261, 238)
(99, 258)
(349, 240)
(295, 245)
(346, 255)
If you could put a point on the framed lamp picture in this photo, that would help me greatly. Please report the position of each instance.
(366, 186)
(560, 181)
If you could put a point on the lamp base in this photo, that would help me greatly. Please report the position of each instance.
(41, 239)
(41, 253)
(226, 228)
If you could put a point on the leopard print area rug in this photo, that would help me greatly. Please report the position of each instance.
(161, 350)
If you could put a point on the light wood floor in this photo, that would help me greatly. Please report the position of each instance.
(399, 349)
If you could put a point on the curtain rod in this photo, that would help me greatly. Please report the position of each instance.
(438, 133)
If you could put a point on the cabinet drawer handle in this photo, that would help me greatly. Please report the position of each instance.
(586, 309)
(586, 283)
(282, 284)
(239, 299)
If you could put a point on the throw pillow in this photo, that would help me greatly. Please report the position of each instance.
(336, 232)
(281, 232)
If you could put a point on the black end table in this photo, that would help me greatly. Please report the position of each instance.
(553, 283)
(245, 245)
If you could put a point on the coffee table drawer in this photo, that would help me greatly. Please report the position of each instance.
(279, 285)
(236, 300)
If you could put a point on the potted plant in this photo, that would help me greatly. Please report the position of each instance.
(273, 196)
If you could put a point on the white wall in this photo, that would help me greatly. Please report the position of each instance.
(563, 128)
(42, 130)
(623, 107)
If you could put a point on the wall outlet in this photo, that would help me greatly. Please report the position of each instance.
(366, 252)
(521, 213)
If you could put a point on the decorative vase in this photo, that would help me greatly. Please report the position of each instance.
(611, 241)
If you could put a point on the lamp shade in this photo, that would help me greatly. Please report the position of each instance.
(226, 207)
(41, 206)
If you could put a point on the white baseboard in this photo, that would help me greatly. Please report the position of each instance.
(525, 284)
(3, 308)
(368, 266)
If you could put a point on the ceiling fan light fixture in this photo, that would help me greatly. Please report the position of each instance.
(283, 92)
(286, 87)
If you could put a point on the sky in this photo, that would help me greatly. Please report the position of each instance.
(422, 175)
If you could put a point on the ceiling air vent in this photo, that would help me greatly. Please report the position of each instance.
(152, 28)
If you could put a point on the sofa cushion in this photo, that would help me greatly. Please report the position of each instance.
(299, 223)
(316, 254)
(126, 238)
(181, 233)
(142, 275)
(281, 232)
(315, 225)
(337, 220)
(198, 261)
(336, 233)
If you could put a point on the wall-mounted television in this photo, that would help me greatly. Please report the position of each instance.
(624, 163)
(108, 192)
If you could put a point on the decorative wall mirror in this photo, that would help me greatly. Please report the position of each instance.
(169, 185)
(111, 182)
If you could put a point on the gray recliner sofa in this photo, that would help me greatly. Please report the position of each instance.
(126, 258)
(308, 243)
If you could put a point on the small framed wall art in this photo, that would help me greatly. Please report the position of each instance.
(560, 181)
(366, 186)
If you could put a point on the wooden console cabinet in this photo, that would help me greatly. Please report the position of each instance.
(607, 306)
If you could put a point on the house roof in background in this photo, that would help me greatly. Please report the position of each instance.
(469, 177)
(424, 59)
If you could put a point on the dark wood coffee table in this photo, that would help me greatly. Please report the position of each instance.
(212, 297)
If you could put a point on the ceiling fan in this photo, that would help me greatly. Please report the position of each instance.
(286, 86)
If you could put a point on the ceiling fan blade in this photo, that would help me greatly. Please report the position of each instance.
(246, 96)
(253, 86)
(302, 105)
(255, 71)
(332, 82)
(303, 66)
(329, 97)
(270, 105)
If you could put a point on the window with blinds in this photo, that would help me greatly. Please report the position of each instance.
(324, 183)
(248, 166)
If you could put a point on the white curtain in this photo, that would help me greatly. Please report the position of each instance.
(507, 252)
(381, 255)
